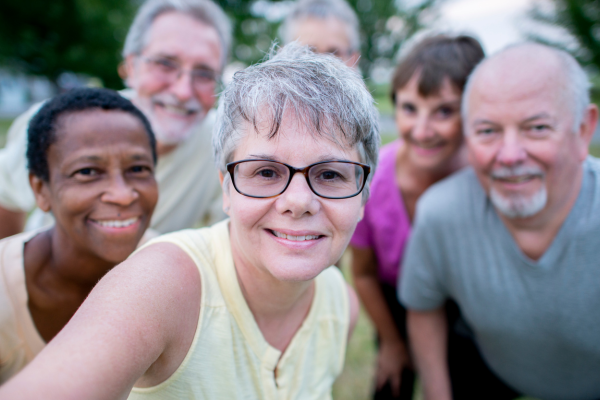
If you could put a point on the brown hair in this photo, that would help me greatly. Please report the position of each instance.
(435, 58)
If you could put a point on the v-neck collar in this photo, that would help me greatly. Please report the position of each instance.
(557, 245)
(270, 357)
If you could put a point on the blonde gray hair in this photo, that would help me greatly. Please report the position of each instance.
(326, 96)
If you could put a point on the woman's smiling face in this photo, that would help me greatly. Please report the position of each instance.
(260, 229)
(101, 189)
(430, 126)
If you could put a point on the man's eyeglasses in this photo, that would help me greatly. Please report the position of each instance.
(328, 179)
(170, 71)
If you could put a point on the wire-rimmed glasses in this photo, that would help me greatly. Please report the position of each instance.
(268, 178)
(170, 70)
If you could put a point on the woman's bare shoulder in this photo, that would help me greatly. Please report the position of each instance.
(142, 312)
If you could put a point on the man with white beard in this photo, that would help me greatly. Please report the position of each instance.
(174, 54)
(514, 239)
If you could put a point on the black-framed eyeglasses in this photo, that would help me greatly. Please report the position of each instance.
(328, 179)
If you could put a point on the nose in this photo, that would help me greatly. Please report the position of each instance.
(120, 192)
(422, 130)
(511, 150)
(298, 199)
(182, 86)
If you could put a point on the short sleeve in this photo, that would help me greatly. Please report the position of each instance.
(15, 192)
(420, 283)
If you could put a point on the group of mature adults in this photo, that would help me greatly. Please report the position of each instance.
(473, 235)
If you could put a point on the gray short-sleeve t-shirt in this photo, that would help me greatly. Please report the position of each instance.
(537, 323)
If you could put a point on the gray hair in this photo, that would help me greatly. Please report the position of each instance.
(576, 82)
(204, 11)
(322, 9)
(322, 93)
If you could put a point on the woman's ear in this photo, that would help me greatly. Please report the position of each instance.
(225, 193)
(41, 192)
(127, 71)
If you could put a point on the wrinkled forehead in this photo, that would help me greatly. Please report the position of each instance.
(179, 35)
(326, 35)
(293, 133)
(519, 76)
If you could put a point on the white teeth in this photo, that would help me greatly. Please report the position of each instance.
(295, 238)
(517, 179)
(117, 224)
(177, 110)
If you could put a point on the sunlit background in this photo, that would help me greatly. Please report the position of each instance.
(47, 47)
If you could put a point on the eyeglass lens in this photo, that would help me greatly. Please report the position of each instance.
(170, 70)
(266, 178)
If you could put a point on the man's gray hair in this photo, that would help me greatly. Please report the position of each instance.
(322, 9)
(204, 11)
(576, 82)
(323, 95)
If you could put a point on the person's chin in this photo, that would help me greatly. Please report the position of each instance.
(298, 270)
(115, 252)
(170, 133)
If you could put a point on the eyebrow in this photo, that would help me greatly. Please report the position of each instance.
(175, 58)
(529, 119)
(98, 159)
(538, 116)
(89, 158)
(140, 156)
(483, 121)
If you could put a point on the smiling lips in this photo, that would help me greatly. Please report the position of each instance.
(178, 110)
(117, 223)
(294, 238)
(516, 179)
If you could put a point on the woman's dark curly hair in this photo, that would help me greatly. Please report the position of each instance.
(42, 127)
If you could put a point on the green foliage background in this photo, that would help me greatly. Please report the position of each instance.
(581, 19)
(41, 37)
(47, 38)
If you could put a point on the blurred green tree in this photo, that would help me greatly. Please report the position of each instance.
(581, 19)
(47, 38)
(385, 25)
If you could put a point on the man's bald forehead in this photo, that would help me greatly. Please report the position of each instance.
(521, 69)
(518, 62)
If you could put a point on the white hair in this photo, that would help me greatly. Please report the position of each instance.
(322, 9)
(576, 86)
(204, 11)
(326, 96)
(519, 206)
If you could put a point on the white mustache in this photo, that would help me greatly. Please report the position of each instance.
(519, 170)
(191, 106)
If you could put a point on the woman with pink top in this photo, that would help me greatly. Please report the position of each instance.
(426, 90)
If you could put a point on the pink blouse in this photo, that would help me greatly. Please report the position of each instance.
(385, 227)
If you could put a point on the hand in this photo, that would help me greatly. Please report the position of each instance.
(392, 358)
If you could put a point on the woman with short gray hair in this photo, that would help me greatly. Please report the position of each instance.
(250, 307)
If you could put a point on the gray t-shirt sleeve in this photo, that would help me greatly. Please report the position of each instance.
(421, 282)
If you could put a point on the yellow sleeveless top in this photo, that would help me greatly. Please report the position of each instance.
(229, 357)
